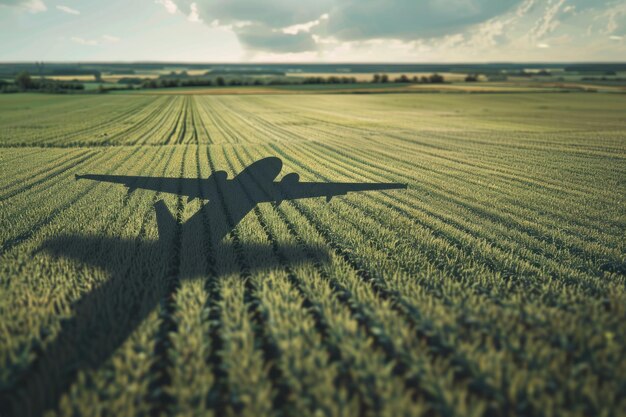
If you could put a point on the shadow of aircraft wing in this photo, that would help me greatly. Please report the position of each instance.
(180, 186)
(286, 190)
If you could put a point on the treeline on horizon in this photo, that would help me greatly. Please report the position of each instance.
(172, 80)
(10, 70)
(24, 82)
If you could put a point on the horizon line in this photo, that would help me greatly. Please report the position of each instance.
(306, 62)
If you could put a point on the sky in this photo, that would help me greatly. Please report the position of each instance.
(412, 31)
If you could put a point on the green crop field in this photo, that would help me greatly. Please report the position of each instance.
(494, 285)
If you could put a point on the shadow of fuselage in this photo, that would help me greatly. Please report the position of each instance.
(138, 272)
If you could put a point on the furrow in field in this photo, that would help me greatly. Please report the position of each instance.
(177, 115)
(146, 118)
(283, 396)
(183, 121)
(158, 131)
(250, 387)
(51, 174)
(193, 138)
(48, 164)
(222, 124)
(161, 371)
(198, 344)
(203, 121)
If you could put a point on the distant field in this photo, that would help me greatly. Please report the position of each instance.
(367, 76)
(380, 88)
(494, 285)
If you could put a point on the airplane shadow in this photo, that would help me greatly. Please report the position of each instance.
(140, 271)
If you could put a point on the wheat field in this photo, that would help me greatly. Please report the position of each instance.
(494, 285)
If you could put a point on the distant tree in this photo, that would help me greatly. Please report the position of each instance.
(376, 78)
(423, 79)
(470, 78)
(131, 80)
(384, 78)
(220, 81)
(402, 79)
(415, 79)
(436, 78)
(151, 83)
(97, 75)
(23, 80)
(40, 69)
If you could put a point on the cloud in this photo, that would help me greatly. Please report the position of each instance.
(419, 29)
(194, 16)
(104, 39)
(169, 5)
(110, 38)
(304, 27)
(548, 21)
(67, 10)
(286, 24)
(83, 41)
(409, 19)
(615, 16)
(259, 37)
(33, 6)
